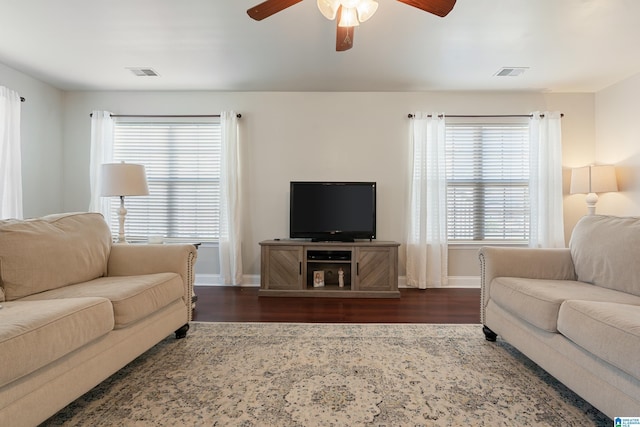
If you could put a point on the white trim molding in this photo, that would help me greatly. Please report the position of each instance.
(248, 280)
(454, 282)
(464, 282)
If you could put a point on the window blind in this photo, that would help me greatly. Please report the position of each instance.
(182, 162)
(487, 182)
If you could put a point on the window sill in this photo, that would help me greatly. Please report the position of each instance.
(475, 245)
(140, 240)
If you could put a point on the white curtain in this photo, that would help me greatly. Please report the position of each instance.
(10, 158)
(545, 185)
(427, 243)
(101, 152)
(230, 250)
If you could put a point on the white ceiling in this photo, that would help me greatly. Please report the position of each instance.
(567, 45)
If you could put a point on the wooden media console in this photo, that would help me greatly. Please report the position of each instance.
(368, 269)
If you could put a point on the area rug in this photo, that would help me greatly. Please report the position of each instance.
(275, 374)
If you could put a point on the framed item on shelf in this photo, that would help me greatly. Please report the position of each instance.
(318, 278)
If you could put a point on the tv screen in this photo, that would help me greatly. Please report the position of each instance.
(341, 211)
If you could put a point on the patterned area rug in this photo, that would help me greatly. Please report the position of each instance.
(274, 374)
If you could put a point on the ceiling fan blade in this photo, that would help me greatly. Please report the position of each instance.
(269, 7)
(437, 7)
(344, 38)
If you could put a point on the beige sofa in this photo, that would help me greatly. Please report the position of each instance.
(575, 312)
(75, 308)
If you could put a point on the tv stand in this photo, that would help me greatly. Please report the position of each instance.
(370, 268)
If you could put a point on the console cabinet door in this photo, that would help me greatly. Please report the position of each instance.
(281, 267)
(376, 269)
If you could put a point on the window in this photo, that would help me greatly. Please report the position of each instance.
(487, 181)
(182, 162)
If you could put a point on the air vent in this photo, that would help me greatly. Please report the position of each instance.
(511, 71)
(143, 72)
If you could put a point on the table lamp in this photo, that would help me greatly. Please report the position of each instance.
(591, 180)
(123, 179)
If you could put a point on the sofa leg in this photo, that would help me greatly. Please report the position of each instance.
(489, 334)
(182, 331)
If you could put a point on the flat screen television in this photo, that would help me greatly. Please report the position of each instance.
(332, 211)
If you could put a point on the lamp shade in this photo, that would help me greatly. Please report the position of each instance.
(603, 179)
(348, 17)
(352, 13)
(123, 179)
(329, 8)
(593, 179)
(366, 9)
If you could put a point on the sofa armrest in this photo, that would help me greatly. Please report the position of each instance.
(132, 260)
(533, 263)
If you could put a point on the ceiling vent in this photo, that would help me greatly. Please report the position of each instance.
(511, 71)
(143, 72)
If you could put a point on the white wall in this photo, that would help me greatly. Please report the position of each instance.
(618, 143)
(321, 136)
(286, 136)
(41, 142)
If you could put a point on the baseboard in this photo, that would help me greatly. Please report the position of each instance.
(253, 280)
(248, 280)
(454, 282)
(463, 282)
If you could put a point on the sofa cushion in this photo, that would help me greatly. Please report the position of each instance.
(608, 330)
(538, 301)
(606, 250)
(37, 255)
(36, 333)
(132, 297)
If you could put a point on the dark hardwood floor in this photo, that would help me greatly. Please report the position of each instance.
(242, 304)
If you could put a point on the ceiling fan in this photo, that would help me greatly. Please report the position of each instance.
(351, 13)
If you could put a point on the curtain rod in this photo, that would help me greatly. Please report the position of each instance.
(487, 115)
(166, 116)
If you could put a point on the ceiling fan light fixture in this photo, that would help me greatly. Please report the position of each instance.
(352, 12)
(366, 9)
(329, 8)
(348, 17)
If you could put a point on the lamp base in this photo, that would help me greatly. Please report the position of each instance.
(592, 199)
(122, 213)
